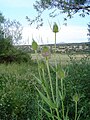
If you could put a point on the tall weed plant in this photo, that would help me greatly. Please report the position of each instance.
(52, 89)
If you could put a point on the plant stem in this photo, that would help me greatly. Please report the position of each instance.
(76, 110)
(62, 98)
(38, 64)
(58, 114)
(57, 88)
(55, 43)
(46, 85)
(50, 80)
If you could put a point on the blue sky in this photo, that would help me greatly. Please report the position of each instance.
(75, 31)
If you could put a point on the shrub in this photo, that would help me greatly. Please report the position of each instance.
(10, 54)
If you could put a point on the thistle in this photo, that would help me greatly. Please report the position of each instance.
(45, 52)
(55, 28)
(34, 45)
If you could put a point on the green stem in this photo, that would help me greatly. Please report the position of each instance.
(62, 91)
(38, 64)
(57, 88)
(75, 110)
(55, 42)
(46, 85)
(58, 114)
(50, 80)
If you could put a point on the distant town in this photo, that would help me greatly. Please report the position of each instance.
(60, 47)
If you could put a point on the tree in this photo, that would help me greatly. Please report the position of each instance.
(10, 33)
(70, 7)
(10, 29)
(13, 29)
(1, 28)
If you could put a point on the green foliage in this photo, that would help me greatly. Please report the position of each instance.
(18, 97)
(8, 53)
(62, 96)
(78, 81)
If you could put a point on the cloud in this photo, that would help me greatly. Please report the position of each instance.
(67, 34)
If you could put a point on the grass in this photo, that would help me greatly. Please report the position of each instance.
(18, 96)
(64, 59)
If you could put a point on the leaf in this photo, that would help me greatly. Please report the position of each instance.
(48, 114)
(38, 80)
(80, 113)
(48, 101)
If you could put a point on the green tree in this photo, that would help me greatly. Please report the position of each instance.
(10, 33)
(70, 7)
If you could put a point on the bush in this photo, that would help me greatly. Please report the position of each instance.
(10, 54)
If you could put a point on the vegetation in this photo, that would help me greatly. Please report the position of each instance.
(43, 90)
(8, 53)
(19, 98)
(70, 7)
(60, 102)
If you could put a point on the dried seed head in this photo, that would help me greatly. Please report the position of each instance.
(34, 45)
(55, 28)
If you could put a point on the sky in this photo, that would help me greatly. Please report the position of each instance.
(75, 31)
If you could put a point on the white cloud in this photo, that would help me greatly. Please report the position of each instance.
(45, 35)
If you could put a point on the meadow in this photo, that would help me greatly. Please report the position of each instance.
(42, 85)
(19, 99)
(62, 58)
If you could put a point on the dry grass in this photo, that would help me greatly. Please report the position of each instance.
(61, 58)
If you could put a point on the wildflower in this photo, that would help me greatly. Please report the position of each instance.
(45, 52)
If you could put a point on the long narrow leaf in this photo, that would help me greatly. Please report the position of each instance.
(38, 80)
(80, 113)
(48, 101)
(48, 114)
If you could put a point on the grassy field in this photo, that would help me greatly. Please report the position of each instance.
(64, 59)
(19, 99)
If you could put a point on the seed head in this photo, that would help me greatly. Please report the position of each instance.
(76, 97)
(45, 52)
(34, 45)
(55, 28)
